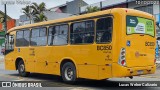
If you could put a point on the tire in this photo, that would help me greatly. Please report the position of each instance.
(68, 73)
(21, 69)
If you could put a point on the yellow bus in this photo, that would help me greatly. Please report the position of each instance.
(117, 42)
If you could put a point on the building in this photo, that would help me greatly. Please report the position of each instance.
(10, 24)
(51, 15)
(72, 7)
(65, 10)
(107, 4)
(24, 19)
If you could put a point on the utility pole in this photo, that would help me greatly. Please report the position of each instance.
(5, 19)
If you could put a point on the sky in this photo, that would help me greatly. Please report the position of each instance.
(14, 7)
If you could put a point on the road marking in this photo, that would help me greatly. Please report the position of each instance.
(81, 88)
(18, 80)
(150, 76)
(15, 77)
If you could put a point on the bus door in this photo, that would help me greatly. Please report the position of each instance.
(23, 49)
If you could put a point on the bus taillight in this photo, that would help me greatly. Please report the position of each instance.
(123, 62)
(122, 58)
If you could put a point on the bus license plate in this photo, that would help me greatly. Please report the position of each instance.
(140, 72)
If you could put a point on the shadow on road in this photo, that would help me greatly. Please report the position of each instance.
(56, 81)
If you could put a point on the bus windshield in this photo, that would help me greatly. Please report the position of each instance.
(139, 25)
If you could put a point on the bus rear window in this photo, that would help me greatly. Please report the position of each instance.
(139, 25)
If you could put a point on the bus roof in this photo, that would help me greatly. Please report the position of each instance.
(109, 11)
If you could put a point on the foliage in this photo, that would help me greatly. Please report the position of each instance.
(36, 11)
(91, 9)
(40, 17)
(27, 10)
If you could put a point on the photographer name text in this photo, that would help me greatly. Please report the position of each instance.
(138, 84)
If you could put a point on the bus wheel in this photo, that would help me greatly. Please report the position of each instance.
(68, 73)
(21, 69)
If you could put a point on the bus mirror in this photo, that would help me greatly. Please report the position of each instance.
(12, 42)
(6, 34)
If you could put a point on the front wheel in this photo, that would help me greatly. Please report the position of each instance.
(68, 72)
(21, 69)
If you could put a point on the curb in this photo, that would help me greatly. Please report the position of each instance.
(150, 76)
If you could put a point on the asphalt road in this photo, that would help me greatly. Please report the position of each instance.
(83, 84)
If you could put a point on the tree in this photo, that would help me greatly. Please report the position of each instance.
(91, 9)
(27, 12)
(40, 17)
(36, 11)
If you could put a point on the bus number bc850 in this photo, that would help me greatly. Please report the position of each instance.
(102, 47)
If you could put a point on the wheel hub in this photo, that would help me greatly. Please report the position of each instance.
(68, 73)
(22, 68)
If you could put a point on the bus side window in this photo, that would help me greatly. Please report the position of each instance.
(19, 38)
(26, 37)
(34, 35)
(82, 32)
(58, 35)
(22, 38)
(89, 36)
(39, 36)
(104, 30)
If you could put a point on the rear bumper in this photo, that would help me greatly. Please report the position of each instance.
(120, 71)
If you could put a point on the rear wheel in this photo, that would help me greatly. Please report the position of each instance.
(21, 69)
(68, 72)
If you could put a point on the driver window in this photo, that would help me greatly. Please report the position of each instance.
(9, 42)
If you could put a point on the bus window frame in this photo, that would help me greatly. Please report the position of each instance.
(111, 32)
(67, 33)
(79, 21)
(24, 29)
(39, 35)
(140, 33)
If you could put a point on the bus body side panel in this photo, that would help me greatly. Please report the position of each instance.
(10, 62)
(86, 63)
(46, 60)
(27, 56)
(91, 63)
